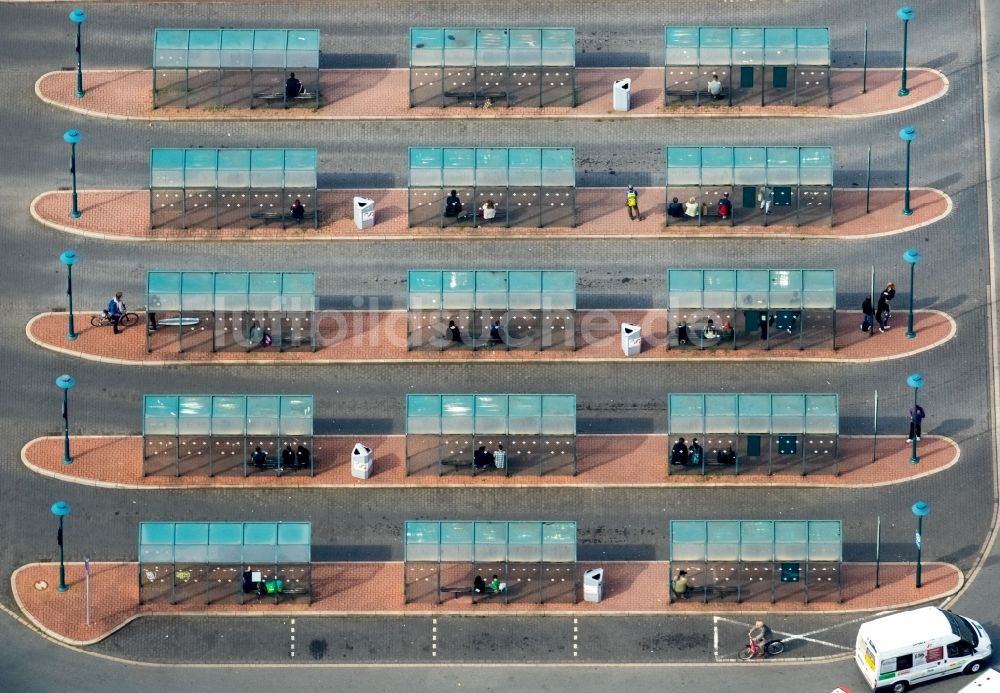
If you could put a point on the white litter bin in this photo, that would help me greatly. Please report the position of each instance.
(631, 339)
(621, 95)
(364, 212)
(593, 585)
(361, 462)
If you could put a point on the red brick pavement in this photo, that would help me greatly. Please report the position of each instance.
(602, 460)
(380, 336)
(124, 215)
(377, 588)
(383, 94)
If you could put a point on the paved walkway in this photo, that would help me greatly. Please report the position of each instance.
(384, 95)
(120, 215)
(603, 461)
(380, 337)
(633, 587)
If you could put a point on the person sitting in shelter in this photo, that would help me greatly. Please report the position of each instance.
(489, 210)
(452, 205)
(680, 586)
(675, 209)
(679, 453)
(710, 331)
(298, 210)
(479, 585)
(715, 87)
(496, 586)
(255, 335)
(697, 453)
(454, 334)
(293, 87)
(682, 334)
(479, 457)
(272, 586)
(691, 209)
(725, 206)
(727, 456)
(495, 337)
(302, 457)
(287, 457)
(499, 457)
(259, 458)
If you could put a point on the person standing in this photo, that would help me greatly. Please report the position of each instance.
(917, 415)
(884, 309)
(715, 87)
(632, 203)
(116, 309)
(868, 313)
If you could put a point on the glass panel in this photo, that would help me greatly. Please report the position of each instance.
(194, 415)
(825, 540)
(166, 168)
(303, 49)
(682, 45)
(491, 47)
(296, 415)
(786, 289)
(491, 167)
(226, 543)
(191, 542)
(685, 413)
(559, 414)
(790, 539)
(156, 542)
(231, 291)
(816, 166)
(748, 46)
(229, 416)
(719, 289)
(459, 47)
(559, 542)
(269, 48)
(298, 291)
(525, 47)
(559, 290)
(491, 414)
(819, 288)
(559, 168)
(754, 413)
(197, 291)
(559, 47)
(525, 290)
(715, 42)
(757, 541)
(263, 415)
(159, 415)
(300, 168)
(684, 288)
(426, 47)
(683, 166)
(422, 541)
(525, 542)
(525, 166)
(267, 169)
(459, 290)
(779, 46)
(822, 414)
(491, 290)
(295, 533)
(524, 414)
(458, 541)
(782, 166)
(237, 48)
(204, 47)
(687, 540)
(163, 290)
(264, 291)
(752, 288)
(459, 167)
(722, 414)
(813, 46)
(170, 48)
(457, 414)
(788, 413)
(491, 541)
(234, 168)
(751, 163)
(723, 540)
(424, 289)
(717, 165)
(425, 167)
(260, 533)
(423, 414)
(199, 168)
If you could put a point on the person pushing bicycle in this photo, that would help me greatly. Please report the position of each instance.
(115, 310)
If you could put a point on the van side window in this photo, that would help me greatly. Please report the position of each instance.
(959, 649)
(904, 662)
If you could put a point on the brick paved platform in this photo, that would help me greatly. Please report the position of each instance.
(124, 215)
(380, 337)
(377, 589)
(603, 461)
(384, 95)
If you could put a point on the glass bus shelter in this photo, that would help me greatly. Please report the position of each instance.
(752, 65)
(765, 185)
(536, 560)
(779, 307)
(478, 67)
(776, 432)
(517, 309)
(191, 434)
(214, 562)
(245, 188)
(529, 186)
(538, 432)
(233, 68)
(779, 559)
(230, 311)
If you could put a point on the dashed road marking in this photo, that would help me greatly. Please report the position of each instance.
(576, 637)
(291, 634)
(434, 637)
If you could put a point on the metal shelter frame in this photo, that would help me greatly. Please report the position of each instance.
(693, 54)
(529, 186)
(229, 64)
(762, 183)
(756, 555)
(468, 66)
(219, 311)
(771, 300)
(187, 560)
(202, 188)
(536, 431)
(536, 560)
(515, 309)
(797, 428)
(223, 429)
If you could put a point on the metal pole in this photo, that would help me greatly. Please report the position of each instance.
(868, 184)
(914, 458)
(86, 575)
(875, 424)
(864, 69)
(909, 322)
(920, 527)
(903, 91)
(878, 547)
(65, 412)
(69, 291)
(79, 62)
(75, 213)
(906, 195)
(62, 566)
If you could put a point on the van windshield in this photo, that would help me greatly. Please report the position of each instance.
(961, 627)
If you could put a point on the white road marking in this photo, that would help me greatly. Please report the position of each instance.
(715, 635)
(789, 637)
(434, 637)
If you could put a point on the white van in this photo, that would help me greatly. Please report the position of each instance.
(894, 652)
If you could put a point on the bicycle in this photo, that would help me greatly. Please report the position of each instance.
(772, 648)
(104, 319)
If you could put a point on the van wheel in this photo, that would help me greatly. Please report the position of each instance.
(972, 668)
(900, 687)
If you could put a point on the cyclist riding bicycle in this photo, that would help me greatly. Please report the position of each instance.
(760, 634)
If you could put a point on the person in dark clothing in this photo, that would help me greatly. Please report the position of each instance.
(884, 309)
(725, 206)
(697, 453)
(452, 205)
(481, 459)
(479, 585)
(868, 313)
(287, 457)
(763, 325)
(454, 334)
(298, 210)
(675, 209)
(302, 457)
(727, 456)
(679, 453)
(293, 87)
(495, 337)
(259, 458)
(682, 334)
(917, 415)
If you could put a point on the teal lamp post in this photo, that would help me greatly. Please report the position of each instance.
(920, 509)
(61, 510)
(907, 134)
(71, 137)
(916, 381)
(906, 14)
(912, 257)
(69, 259)
(78, 17)
(65, 383)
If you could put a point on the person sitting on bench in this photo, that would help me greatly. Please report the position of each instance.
(483, 459)
(727, 456)
(682, 334)
(497, 587)
(710, 331)
(495, 337)
(479, 585)
(452, 205)
(489, 210)
(293, 87)
(679, 453)
(675, 209)
(259, 458)
(287, 457)
(680, 586)
(298, 210)
(302, 457)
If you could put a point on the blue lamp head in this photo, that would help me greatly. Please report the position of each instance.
(920, 509)
(65, 382)
(68, 257)
(912, 256)
(908, 134)
(916, 381)
(60, 509)
(78, 16)
(905, 13)
(72, 136)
